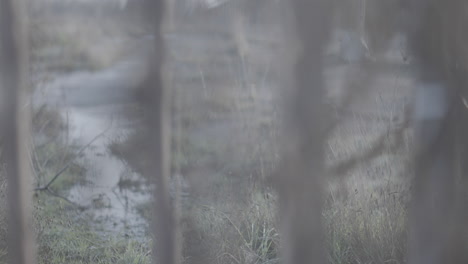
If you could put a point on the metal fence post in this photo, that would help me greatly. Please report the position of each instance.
(14, 129)
(301, 177)
(157, 114)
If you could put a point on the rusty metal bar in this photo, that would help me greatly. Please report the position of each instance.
(14, 129)
(301, 176)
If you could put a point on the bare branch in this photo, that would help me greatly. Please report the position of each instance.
(70, 162)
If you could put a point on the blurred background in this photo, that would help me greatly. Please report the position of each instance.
(227, 70)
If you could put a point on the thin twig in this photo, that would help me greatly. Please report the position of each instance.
(205, 91)
(267, 70)
(229, 255)
(32, 165)
(39, 165)
(66, 199)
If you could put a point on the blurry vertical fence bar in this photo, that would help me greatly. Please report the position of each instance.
(14, 129)
(436, 229)
(157, 114)
(302, 174)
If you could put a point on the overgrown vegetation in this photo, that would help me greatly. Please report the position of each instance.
(62, 228)
(230, 215)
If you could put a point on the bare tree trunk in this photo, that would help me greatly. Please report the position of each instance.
(301, 178)
(14, 129)
(157, 107)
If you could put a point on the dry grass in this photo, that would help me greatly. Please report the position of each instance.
(231, 217)
(227, 232)
(369, 225)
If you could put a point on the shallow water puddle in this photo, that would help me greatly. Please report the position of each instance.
(112, 191)
(92, 104)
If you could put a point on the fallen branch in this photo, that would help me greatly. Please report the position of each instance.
(70, 162)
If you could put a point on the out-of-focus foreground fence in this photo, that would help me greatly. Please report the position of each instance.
(437, 116)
